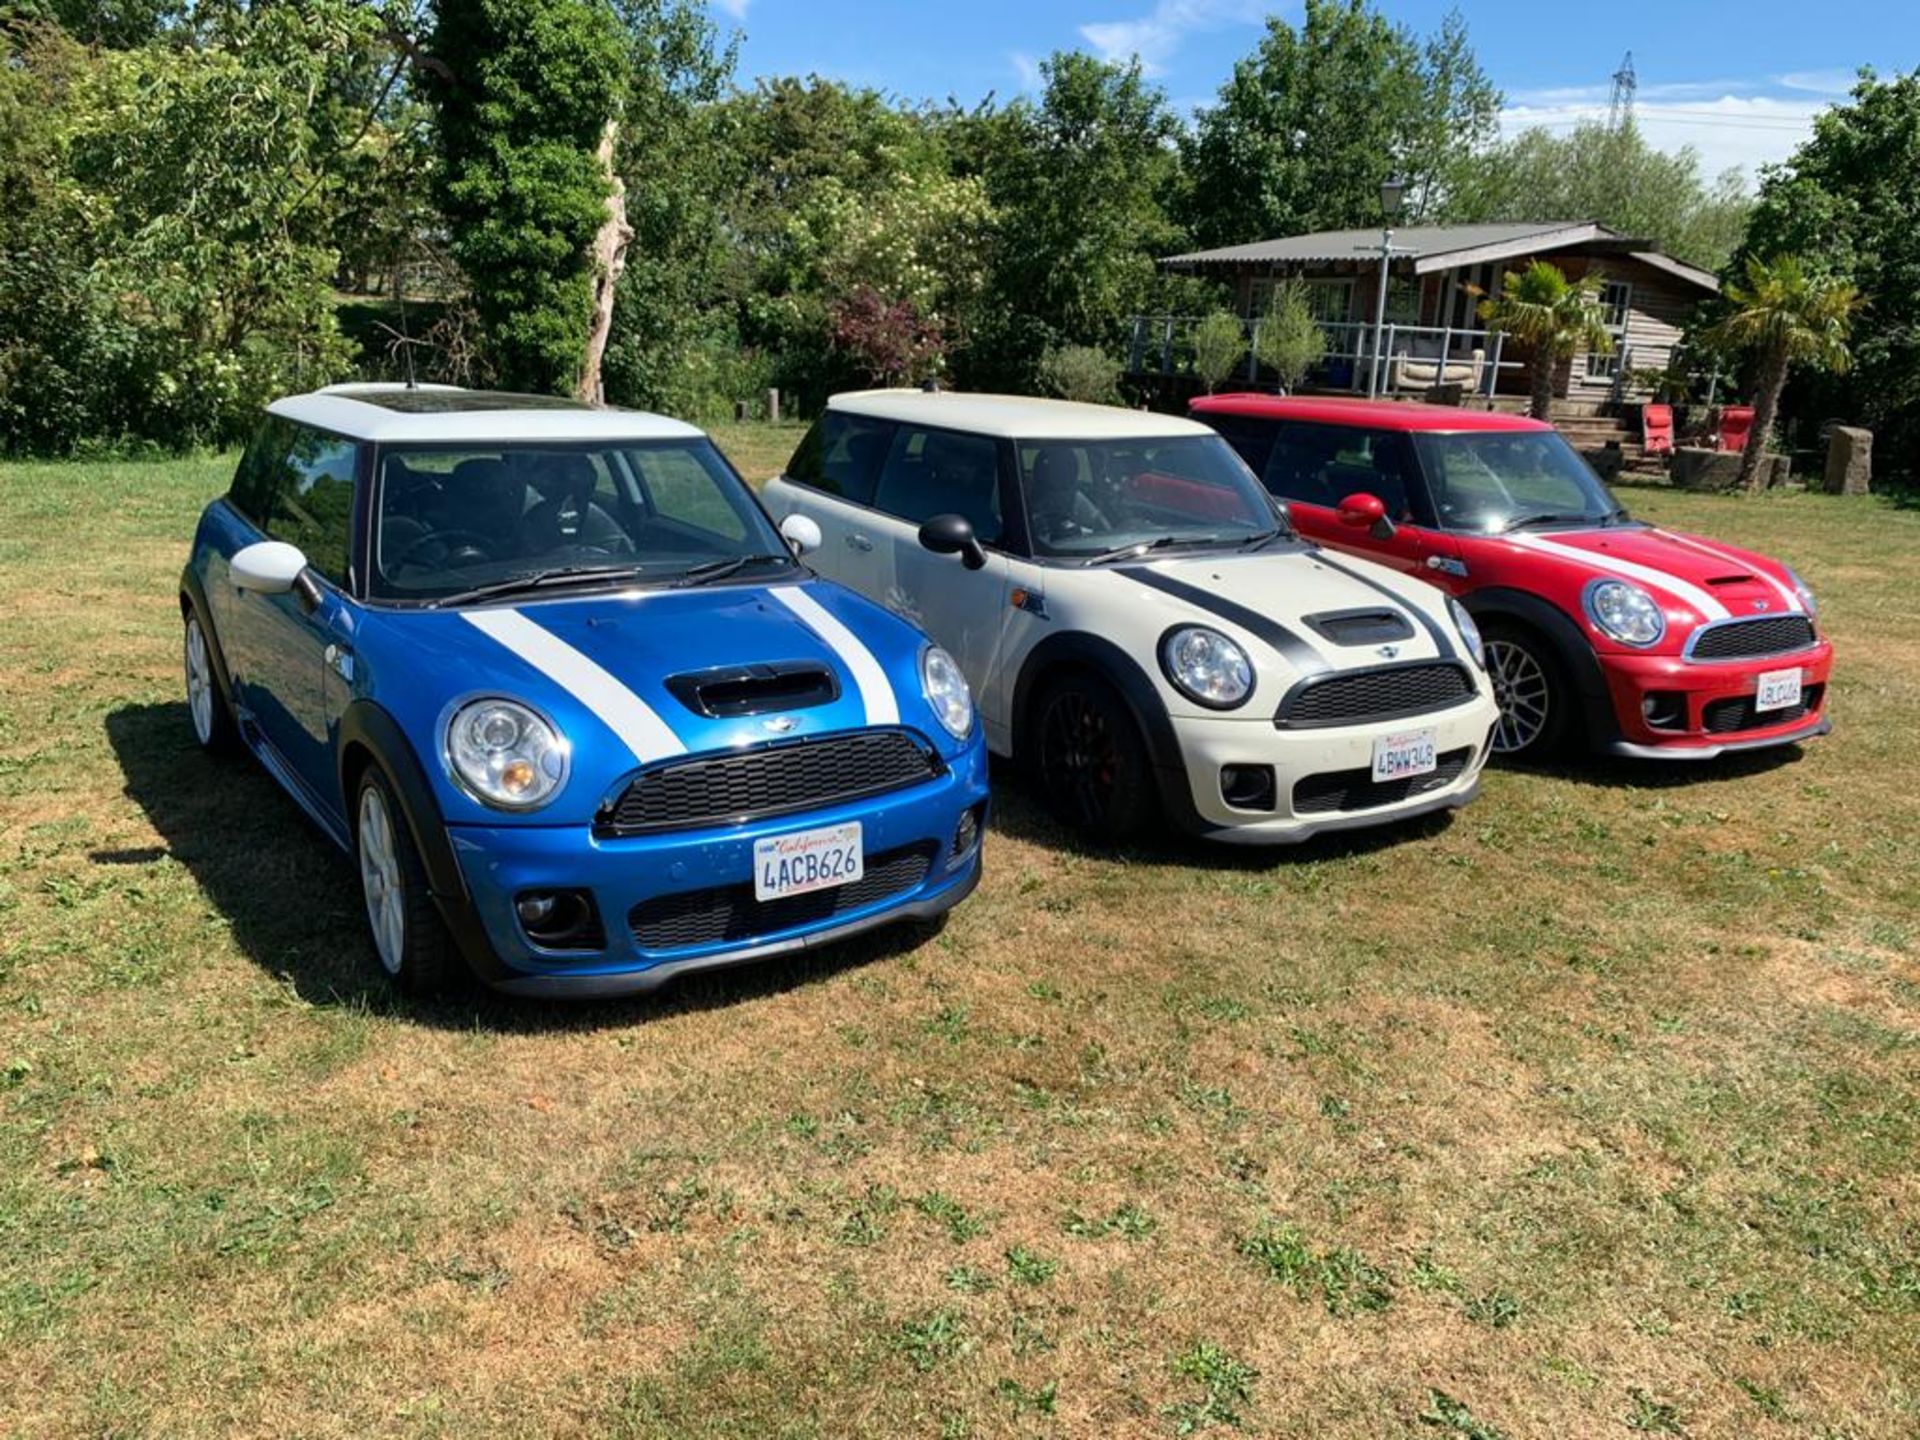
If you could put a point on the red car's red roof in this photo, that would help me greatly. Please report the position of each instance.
(1376, 414)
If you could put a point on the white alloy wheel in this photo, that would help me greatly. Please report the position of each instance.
(200, 696)
(381, 879)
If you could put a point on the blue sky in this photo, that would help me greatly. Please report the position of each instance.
(1739, 82)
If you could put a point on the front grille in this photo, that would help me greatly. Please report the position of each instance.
(1337, 790)
(773, 780)
(729, 912)
(1736, 712)
(1744, 639)
(1385, 692)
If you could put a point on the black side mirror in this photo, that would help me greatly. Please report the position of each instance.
(953, 535)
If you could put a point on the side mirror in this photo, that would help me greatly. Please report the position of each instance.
(272, 567)
(801, 533)
(953, 535)
(1365, 512)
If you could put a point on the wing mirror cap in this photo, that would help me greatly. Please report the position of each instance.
(1362, 511)
(273, 567)
(953, 535)
(802, 533)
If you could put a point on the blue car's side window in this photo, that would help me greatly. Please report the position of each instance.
(297, 485)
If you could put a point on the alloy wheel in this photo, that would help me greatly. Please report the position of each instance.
(1080, 758)
(199, 681)
(381, 880)
(1523, 692)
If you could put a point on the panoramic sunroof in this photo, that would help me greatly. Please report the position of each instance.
(454, 402)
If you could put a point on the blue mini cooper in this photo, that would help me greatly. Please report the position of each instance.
(575, 706)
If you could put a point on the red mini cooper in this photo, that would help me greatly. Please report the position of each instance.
(1638, 640)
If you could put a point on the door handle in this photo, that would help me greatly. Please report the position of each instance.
(858, 541)
(340, 660)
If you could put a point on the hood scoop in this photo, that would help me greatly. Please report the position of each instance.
(1730, 580)
(1360, 627)
(755, 689)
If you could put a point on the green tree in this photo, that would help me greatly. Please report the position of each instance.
(1787, 316)
(1307, 127)
(1548, 316)
(1080, 372)
(1288, 340)
(1600, 172)
(1849, 196)
(1219, 344)
(528, 93)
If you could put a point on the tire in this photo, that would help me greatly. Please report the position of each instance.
(1531, 687)
(409, 938)
(1091, 762)
(214, 729)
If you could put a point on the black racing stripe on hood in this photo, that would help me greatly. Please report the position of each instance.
(1302, 656)
(1440, 640)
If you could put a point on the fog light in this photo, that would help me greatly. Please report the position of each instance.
(1247, 787)
(560, 919)
(1664, 709)
(534, 909)
(966, 834)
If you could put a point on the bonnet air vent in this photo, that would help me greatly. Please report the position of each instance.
(1360, 627)
(1729, 579)
(756, 689)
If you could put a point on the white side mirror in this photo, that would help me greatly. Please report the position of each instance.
(268, 568)
(801, 533)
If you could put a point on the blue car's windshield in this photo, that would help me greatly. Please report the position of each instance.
(452, 520)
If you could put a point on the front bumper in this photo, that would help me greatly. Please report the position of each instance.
(499, 863)
(1707, 694)
(1304, 760)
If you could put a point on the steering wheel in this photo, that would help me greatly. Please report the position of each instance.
(457, 547)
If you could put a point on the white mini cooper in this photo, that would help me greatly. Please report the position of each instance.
(1140, 625)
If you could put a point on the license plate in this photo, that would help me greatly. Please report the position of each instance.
(1411, 752)
(807, 860)
(1777, 690)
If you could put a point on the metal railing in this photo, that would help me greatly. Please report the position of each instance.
(1163, 345)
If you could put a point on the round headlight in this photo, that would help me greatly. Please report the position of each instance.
(1207, 667)
(1625, 612)
(505, 755)
(1469, 632)
(1805, 594)
(947, 692)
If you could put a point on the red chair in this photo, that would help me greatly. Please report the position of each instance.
(1735, 422)
(1656, 429)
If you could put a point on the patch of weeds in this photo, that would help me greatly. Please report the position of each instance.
(1128, 1222)
(1647, 1413)
(932, 1339)
(1042, 990)
(1283, 1253)
(1768, 1401)
(1496, 1309)
(802, 1127)
(1027, 1268)
(1028, 1402)
(486, 1275)
(1429, 1275)
(950, 1024)
(1211, 1100)
(1443, 1412)
(1226, 1384)
(1346, 1281)
(1027, 1336)
(674, 1204)
(968, 1281)
(866, 1223)
(949, 1213)
(1224, 1007)
(1334, 1108)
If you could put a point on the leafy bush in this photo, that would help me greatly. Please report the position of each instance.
(1080, 372)
(1219, 343)
(1288, 340)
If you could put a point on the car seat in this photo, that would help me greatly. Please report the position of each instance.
(566, 515)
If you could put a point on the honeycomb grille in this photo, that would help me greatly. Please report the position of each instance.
(688, 918)
(1339, 790)
(1384, 693)
(1774, 635)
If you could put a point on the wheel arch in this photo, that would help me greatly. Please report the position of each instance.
(1565, 641)
(193, 601)
(369, 735)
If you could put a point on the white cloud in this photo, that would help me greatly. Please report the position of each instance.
(1730, 131)
(1027, 68)
(736, 10)
(1154, 37)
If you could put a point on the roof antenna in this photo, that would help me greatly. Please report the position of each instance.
(406, 340)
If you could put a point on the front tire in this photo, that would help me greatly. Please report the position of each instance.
(213, 727)
(1530, 686)
(1091, 761)
(409, 937)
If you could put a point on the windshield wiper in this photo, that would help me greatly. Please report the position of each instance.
(1266, 538)
(720, 569)
(539, 580)
(1551, 517)
(1141, 547)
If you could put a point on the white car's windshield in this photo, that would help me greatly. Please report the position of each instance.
(459, 522)
(1496, 480)
(1087, 499)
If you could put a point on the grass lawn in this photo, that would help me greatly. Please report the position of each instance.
(1592, 1111)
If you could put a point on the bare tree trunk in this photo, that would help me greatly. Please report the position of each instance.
(609, 259)
(1540, 372)
(1766, 405)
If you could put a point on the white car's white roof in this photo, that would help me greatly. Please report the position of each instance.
(1015, 417)
(394, 414)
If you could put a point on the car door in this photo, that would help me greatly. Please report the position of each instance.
(830, 479)
(1313, 467)
(292, 645)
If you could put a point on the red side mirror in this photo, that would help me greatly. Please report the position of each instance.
(1365, 512)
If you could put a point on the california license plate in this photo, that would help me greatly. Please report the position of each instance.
(807, 860)
(1411, 752)
(1777, 690)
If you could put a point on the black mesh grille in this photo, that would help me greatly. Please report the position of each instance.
(1774, 635)
(729, 912)
(1378, 694)
(775, 780)
(1736, 712)
(1357, 789)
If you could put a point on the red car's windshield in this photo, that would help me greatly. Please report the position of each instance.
(1496, 480)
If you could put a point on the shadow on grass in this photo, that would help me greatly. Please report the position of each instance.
(293, 899)
(1610, 772)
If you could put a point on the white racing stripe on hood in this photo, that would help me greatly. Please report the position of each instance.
(876, 691)
(1700, 600)
(1786, 593)
(616, 707)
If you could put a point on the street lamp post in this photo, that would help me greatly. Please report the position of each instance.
(1392, 191)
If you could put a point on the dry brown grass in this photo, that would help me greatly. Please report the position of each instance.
(1592, 1109)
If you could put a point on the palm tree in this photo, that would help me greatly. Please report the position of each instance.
(1549, 316)
(1790, 317)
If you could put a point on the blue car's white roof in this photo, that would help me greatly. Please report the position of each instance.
(395, 414)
